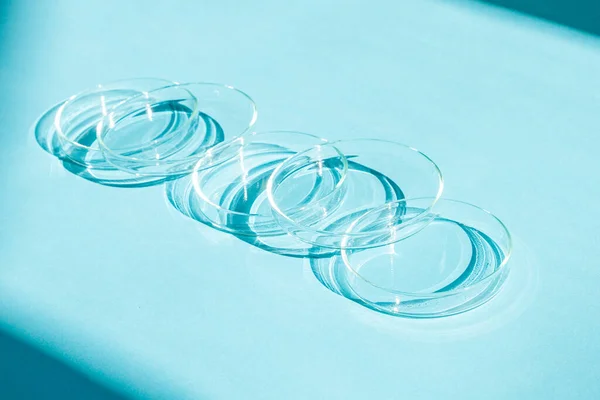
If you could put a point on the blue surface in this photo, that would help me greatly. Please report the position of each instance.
(119, 286)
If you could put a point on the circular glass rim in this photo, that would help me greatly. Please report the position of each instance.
(292, 222)
(98, 88)
(501, 268)
(102, 127)
(197, 169)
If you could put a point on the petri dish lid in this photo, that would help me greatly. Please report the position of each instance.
(378, 172)
(227, 188)
(445, 267)
(76, 119)
(46, 137)
(163, 132)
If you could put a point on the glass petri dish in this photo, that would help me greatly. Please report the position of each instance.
(379, 172)
(456, 262)
(76, 119)
(227, 189)
(163, 132)
(45, 133)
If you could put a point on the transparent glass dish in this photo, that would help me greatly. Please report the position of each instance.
(456, 261)
(378, 172)
(76, 119)
(163, 132)
(227, 189)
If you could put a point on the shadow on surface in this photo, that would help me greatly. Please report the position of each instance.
(5, 15)
(236, 203)
(511, 302)
(47, 138)
(28, 373)
(583, 15)
(84, 158)
(182, 196)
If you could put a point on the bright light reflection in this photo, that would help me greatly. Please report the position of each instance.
(103, 105)
(320, 162)
(149, 111)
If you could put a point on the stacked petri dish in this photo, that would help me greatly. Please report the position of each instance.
(401, 249)
(142, 131)
(367, 211)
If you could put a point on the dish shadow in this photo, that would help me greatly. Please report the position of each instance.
(230, 211)
(182, 196)
(47, 138)
(516, 295)
(29, 373)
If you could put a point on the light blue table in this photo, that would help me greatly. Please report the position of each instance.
(115, 285)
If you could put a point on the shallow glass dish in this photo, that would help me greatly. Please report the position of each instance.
(46, 137)
(227, 188)
(163, 132)
(378, 172)
(455, 262)
(76, 119)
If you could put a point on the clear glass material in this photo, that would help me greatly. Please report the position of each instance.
(163, 132)
(76, 119)
(46, 136)
(456, 261)
(378, 172)
(227, 188)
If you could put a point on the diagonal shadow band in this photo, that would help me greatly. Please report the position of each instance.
(29, 373)
(582, 15)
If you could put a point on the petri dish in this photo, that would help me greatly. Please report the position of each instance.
(227, 189)
(46, 136)
(76, 119)
(456, 262)
(163, 132)
(379, 172)
(45, 133)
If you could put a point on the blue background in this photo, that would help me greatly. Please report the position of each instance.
(110, 293)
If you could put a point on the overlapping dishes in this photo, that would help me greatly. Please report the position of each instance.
(368, 207)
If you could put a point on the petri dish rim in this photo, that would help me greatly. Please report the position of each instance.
(428, 296)
(270, 185)
(98, 88)
(196, 170)
(103, 127)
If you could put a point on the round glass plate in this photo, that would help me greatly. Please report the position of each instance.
(76, 119)
(456, 262)
(227, 189)
(378, 172)
(163, 132)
